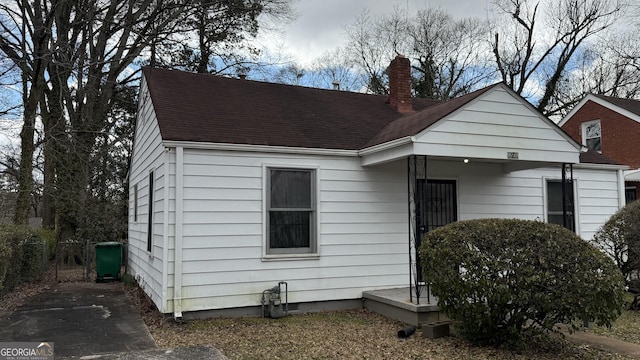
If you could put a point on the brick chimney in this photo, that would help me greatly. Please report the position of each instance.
(400, 84)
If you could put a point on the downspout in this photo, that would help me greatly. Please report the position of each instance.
(622, 200)
(165, 229)
(177, 261)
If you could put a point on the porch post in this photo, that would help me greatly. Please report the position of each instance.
(411, 216)
(567, 197)
(417, 193)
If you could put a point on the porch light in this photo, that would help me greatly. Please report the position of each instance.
(466, 161)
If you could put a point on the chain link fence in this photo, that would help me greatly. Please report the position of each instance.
(21, 261)
(40, 257)
(75, 260)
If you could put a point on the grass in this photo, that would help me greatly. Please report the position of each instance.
(626, 327)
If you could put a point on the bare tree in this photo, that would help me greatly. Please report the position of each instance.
(610, 66)
(536, 51)
(371, 51)
(24, 40)
(334, 69)
(447, 55)
(213, 36)
(78, 63)
(290, 74)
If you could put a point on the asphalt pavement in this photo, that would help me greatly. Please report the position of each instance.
(90, 321)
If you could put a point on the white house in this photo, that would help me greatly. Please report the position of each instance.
(236, 185)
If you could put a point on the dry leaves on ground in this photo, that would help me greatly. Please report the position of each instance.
(333, 335)
(626, 327)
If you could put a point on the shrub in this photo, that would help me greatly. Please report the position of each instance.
(21, 257)
(619, 238)
(6, 254)
(502, 280)
(49, 236)
(12, 236)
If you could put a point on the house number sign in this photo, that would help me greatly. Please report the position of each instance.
(512, 155)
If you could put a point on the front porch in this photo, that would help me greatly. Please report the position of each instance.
(441, 191)
(396, 304)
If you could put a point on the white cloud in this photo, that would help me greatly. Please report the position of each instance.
(320, 25)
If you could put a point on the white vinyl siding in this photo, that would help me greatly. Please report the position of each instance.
(495, 124)
(148, 155)
(361, 242)
(362, 222)
(487, 191)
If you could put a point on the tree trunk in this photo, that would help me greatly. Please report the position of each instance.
(25, 176)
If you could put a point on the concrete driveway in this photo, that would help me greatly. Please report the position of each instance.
(89, 320)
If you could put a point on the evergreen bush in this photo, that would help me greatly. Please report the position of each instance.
(619, 238)
(502, 280)
(21, 255)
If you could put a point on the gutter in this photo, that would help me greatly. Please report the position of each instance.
(600, 166)
(259, 148)
(386, 145)
(632, 175)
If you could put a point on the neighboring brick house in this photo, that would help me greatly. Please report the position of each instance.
(610, 126)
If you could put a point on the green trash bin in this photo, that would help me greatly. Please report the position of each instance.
(108, 260)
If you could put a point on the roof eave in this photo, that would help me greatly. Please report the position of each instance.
(600, 166)
(259, 148)
(601, 102)
(385, 146)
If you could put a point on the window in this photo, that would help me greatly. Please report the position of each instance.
(291, 211)
(135, 203)
(554, 204)
(150, 224)
(591, 135)
(631, 194)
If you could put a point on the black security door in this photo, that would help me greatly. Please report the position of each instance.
(436, 206)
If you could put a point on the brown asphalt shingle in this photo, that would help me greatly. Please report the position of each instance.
(594, 157)
(207, 108)
(214, 109)
(631, 105)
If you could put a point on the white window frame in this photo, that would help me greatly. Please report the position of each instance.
(291, 254)
(584, 126)
(135, 203)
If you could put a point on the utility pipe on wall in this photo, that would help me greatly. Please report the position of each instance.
(177, 259)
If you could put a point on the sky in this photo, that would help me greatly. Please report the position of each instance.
(320, 24)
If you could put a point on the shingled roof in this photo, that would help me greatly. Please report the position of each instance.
(631, 105)
(213, 109)
(208, 108)
(594, 157)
